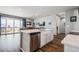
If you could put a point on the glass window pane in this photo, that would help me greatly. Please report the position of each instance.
(17, 25)
(17, 29)
(9, 22)
(9, 26)
(21, 24)
(3, 25)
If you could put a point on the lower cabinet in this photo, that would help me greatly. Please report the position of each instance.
(70, 48)
(43, 38)
(46, 37)
(49, 38)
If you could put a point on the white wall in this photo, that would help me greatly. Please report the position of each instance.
(68, 26)
(76, 24)
(47, 20)
(72, 26)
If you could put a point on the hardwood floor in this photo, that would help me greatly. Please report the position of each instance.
(54, 46)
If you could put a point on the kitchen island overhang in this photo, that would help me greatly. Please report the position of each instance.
(71, 43)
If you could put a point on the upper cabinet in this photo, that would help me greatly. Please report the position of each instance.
(44, 22)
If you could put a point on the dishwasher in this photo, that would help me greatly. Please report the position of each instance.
(34, 41)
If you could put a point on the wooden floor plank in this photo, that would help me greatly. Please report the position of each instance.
(54, 46)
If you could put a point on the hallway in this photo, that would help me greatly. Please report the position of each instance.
(54, 46)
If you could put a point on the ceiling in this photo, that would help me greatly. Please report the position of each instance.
(39, 11)
(34, 11)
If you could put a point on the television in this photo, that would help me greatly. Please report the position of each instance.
(73, 18)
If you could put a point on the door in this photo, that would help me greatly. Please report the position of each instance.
(62, 25)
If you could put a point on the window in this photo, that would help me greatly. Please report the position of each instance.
(8, 30)
(17, 25)
(10, 25)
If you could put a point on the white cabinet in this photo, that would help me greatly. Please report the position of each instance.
(43, 38)
(51, 38)
(49, 35)
(26, 42)
(70, 48)
(46, 36)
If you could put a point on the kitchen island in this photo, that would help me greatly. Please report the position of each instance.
(33, 39)
(71, 43)
(30, 40)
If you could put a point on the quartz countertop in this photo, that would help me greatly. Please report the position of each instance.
(71, 40)
(30, 30)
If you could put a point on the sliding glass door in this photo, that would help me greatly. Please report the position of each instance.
(10, 34)
(17, 26)
(3, 25)
(10, 25)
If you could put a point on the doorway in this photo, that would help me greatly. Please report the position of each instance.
(62, 26)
